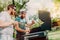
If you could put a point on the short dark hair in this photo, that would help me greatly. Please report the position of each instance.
(22, 12)
(10, 6)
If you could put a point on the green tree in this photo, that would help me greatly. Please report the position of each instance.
(3, 4)
(20, 6)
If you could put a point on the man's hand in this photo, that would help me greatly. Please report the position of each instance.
(33, 21)
(27, 25)
(12, 22)
(15, 23)
(27, 31)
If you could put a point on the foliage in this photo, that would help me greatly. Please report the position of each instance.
(57, 0)
(4, 4)
(37, 24)
(19, 6)
(1, 7)
(54, 20)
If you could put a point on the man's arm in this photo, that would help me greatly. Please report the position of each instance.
(30, 24)
(5, 24)
(19, 29)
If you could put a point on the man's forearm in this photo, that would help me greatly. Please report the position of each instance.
(20, 30)
(5, 24)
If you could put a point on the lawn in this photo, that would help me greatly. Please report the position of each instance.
(54, 35)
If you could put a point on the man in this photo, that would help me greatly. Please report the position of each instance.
(22, 22)
(6, 23)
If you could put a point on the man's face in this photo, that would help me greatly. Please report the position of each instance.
(23, 15)
(13, 11)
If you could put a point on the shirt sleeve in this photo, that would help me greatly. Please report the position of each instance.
(17, 19)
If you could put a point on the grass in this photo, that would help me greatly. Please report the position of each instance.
(54, 35)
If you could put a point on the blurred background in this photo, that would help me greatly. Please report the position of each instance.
(48, 11)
